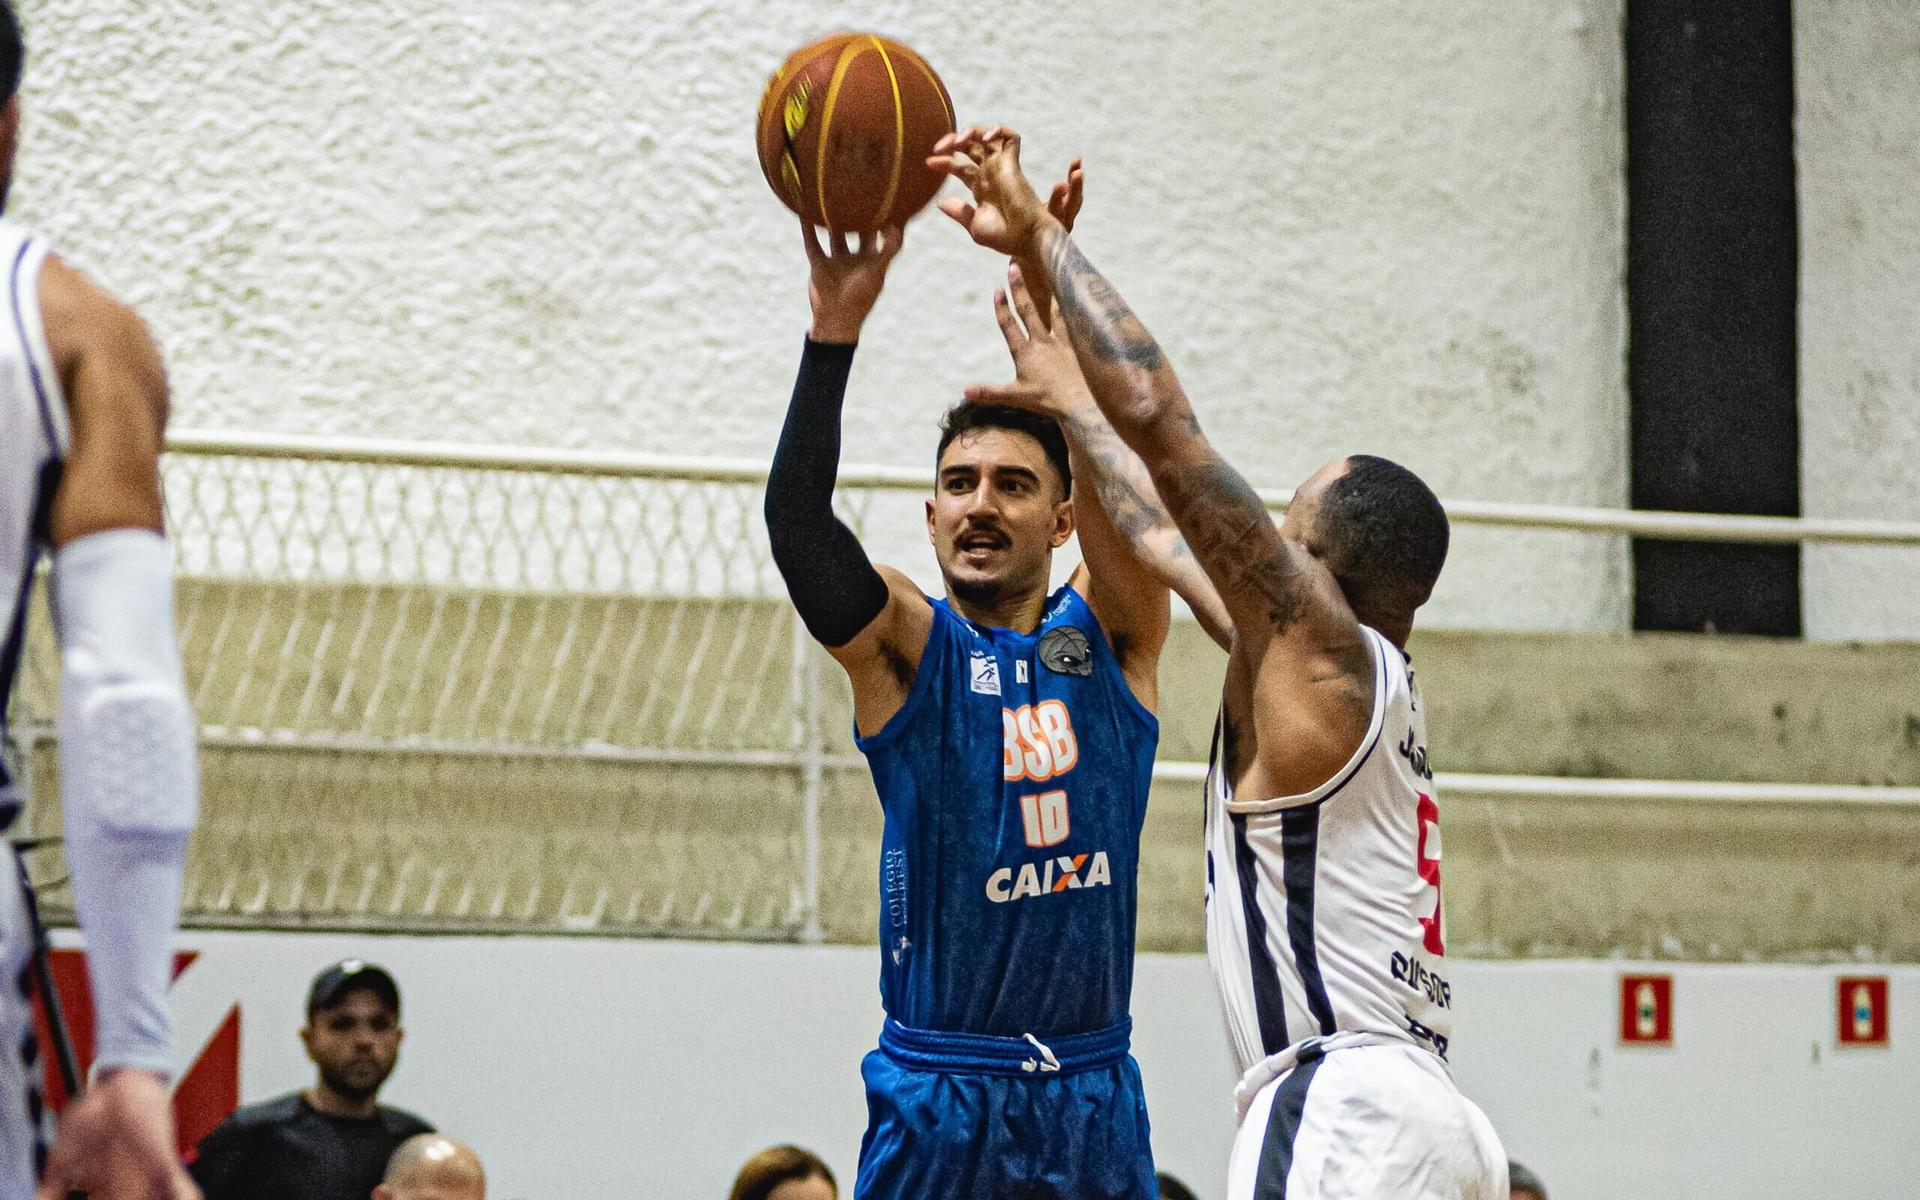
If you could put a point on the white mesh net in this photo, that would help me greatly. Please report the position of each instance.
(435, 695)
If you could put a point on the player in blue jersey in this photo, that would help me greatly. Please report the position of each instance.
(1011, 735)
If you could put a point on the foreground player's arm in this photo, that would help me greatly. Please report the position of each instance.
(1295, 638)
(873, 621)
(1125, 502)
(129, 776)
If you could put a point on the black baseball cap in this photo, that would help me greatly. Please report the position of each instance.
(352, 975)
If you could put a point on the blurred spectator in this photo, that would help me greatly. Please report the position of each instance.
(1173, 1189)
(784, 1173)
(1523, 1184)
(432, 1167)
(330, 1141)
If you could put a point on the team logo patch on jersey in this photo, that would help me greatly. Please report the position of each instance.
(984, 670)
(1065, 651)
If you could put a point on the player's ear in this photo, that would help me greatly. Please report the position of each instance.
(306, 1037)
(1062, 523)
(930, 520)
(382, 1192)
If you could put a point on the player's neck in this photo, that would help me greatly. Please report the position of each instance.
(1020, 613)
(325, 1100)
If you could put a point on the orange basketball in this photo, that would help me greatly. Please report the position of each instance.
(845, 128)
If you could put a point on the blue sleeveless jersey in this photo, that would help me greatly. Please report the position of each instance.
(1013, 783)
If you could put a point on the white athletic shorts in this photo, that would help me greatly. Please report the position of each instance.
(1361, 1118)
(20, 1106)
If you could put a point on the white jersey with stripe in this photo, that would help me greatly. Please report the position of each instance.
(33, 443)
(1323, 910)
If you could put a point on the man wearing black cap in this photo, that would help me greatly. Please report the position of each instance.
(330, 1141)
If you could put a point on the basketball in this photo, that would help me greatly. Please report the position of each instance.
(845, 128)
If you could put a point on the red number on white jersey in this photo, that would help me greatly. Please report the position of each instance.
(1428, 865)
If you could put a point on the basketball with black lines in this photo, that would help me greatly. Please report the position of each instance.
(845, 129)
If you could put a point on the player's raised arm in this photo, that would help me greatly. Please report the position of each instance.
(1293, 628)
(874, 621)
(129, 776)
(1127, 507)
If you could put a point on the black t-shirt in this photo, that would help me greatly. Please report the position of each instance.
(286, 1149)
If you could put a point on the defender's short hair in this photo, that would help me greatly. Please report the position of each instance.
(13, 51)
(1519, 1179)
(1386, 532)
(967, 416)
(776, 1165)
(1173, 1189)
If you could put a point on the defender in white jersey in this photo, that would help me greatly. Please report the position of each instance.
(1324, 919)
(83, 401)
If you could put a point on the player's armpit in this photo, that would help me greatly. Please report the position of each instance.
(116, 393)
(883, 659)
(1300, 704)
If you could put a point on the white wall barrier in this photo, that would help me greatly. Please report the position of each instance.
(589, 1069)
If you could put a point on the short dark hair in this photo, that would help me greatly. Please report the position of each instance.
(1173, 1189)
(13, 51)
(1519, 1179)
(967, 416)
(1386, 535)
(776, 1165)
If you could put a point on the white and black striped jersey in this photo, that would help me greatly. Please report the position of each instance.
(1323, 910)
(33, 443)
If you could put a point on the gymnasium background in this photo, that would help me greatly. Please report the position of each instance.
(549, 700)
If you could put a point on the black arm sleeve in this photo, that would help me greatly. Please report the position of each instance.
(828, 575)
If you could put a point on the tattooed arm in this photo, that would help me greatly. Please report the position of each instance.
(1300, 677)
(1126, 508)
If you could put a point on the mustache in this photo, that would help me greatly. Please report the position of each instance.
(992, 536)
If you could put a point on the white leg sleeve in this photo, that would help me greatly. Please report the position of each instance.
(129, 779)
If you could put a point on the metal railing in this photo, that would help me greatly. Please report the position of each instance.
(572, 610)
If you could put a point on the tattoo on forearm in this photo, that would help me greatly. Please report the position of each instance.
(1107, 329)
(1223, 519)
(1125, 492)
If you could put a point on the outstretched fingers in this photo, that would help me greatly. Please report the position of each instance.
(960, 210)
(1068, 195)
(810, 238)
(1022, 298)
(1017, 394)
(1010, 329)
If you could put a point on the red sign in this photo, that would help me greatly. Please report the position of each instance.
(1863, 1010)
(204, 1094)
(1646, 1009)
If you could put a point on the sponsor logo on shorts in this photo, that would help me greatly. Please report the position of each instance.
(1050, 877)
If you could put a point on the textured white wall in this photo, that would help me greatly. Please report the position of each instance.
(1857, 64)
(1374, 225)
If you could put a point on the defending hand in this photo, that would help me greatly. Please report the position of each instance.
(116, 1143)
(1047, 376)
(1006, 214)
(846, 278)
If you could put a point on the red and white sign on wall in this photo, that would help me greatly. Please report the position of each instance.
(206, 1091)
(1863, 1010)
(1646, 1009)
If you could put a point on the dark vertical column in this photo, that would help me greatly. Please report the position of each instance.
(1712, 288)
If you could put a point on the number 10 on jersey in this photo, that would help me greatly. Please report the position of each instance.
(1045, 818)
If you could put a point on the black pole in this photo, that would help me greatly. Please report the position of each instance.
(1712, 298)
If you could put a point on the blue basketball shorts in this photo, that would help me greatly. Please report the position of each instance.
(986, 1118)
